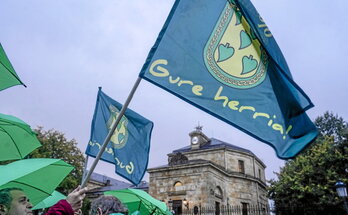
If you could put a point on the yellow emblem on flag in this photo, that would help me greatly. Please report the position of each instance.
(120, 136)
(233, 55)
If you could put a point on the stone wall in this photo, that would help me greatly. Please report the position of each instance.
(201, 185)
(229, 159)
(210, 176)
(215, 156)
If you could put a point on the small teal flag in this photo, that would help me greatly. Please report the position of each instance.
(129, 146)
(221, 57)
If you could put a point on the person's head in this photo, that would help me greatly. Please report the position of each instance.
(105, 205)
(13, 201)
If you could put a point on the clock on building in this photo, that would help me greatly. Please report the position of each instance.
(194, 140)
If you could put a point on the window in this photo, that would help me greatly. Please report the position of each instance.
(241, 166)
(259, 173)
(218, 192)
(195, 210)
(177, 184)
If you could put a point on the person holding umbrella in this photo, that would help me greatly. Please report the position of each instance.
(13, 201)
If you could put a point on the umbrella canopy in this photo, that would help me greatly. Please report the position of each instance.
(38, 178)
(16, 138)
(49, 201)
(8, 76)
(139, 200)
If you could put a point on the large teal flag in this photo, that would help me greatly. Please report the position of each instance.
(129, 146)
(8, 76)
(220, 56)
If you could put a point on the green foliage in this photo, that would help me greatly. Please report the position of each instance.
(332, 125)
(55, 145)
(310, 178)
(86, 206)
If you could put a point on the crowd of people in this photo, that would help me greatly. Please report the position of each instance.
(13, 201)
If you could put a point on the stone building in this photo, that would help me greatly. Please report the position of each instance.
(209, 173)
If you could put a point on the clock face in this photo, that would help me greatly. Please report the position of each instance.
(194, 140)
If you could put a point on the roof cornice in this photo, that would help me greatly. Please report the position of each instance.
(205, 163)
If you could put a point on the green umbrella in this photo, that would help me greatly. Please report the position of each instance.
(38, 178)
(49, 201)
(16, 138)
(139, 200)
(8, 76)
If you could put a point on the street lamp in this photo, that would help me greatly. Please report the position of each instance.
(342, 192)
(170, 204)
(186, 203)
(341, 189)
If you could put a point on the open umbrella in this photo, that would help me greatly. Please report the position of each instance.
(49, 201)
(8, 76)
(38, 178)
(16, 138)
(139, 200)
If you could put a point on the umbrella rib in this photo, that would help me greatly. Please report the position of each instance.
(56, 164)
(9, 70)
(32, 187)
(14, 143)
(16, 124)
(139, 205)
(153, 211)
(147, 204)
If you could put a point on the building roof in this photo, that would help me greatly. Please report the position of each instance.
(114, 184)
(190, 162)
(214, 143)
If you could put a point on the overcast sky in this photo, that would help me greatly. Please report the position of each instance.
(63, 50)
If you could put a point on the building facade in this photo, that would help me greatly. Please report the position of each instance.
(209, 173)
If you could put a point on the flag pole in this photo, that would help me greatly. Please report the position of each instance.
(107, 139)
(84, 173)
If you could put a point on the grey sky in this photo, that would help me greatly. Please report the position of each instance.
(63, 50)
